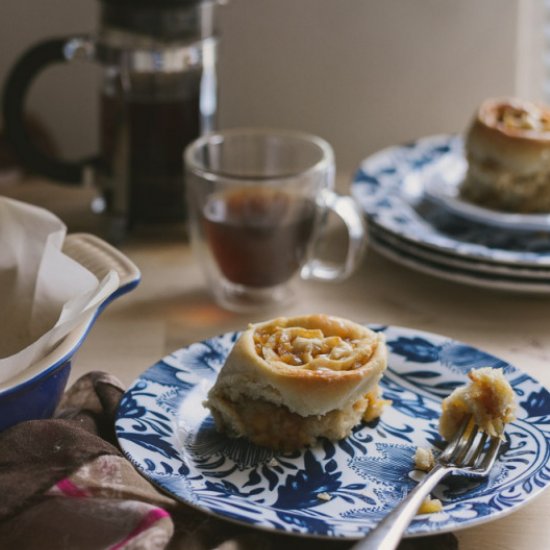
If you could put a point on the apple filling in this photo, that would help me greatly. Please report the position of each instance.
(276, 427)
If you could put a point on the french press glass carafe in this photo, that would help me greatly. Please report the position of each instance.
(158, 93)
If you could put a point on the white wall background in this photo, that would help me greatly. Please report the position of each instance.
(363, 74)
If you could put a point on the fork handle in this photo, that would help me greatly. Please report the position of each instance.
(387, 534)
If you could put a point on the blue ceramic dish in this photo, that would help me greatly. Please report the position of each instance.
(35, 393)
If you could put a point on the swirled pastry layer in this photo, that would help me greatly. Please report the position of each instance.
(508, 152)
(290, 380)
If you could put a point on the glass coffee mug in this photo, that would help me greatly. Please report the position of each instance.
(257, 203)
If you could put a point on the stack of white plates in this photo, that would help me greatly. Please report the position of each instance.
(416, 217)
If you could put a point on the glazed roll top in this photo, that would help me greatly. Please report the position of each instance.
(511, 133)
(311, 364)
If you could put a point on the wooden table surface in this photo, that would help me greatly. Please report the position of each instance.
(172, 308)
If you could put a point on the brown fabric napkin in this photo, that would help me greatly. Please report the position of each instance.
(64, 484)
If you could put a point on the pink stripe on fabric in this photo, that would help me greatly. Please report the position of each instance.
(150, 518)
(68, 488)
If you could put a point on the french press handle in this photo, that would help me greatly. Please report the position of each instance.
(20, 78)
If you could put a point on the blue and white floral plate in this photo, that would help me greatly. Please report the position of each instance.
(480, 277)
(391, 187)
(169, 436)
(534, 280)
(459, 263)
(443, 182)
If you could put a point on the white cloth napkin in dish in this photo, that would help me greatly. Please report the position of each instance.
(44, 293)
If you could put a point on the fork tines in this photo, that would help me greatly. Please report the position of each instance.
(468, 449)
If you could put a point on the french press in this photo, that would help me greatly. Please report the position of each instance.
(158, 93)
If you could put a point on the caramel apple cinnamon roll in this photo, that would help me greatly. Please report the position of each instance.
(508, 153)
(288, 381)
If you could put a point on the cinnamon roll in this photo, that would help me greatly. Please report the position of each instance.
(288, 381)
(508, 152)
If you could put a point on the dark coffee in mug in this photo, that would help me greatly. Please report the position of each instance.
(259, 236)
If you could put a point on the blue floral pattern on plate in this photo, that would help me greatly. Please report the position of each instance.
(169, 436)
(389, 187)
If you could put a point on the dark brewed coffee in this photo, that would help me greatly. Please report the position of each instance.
(259, 237)
(142, 144)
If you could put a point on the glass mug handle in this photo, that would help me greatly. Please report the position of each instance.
(20, 78)
(349, 212)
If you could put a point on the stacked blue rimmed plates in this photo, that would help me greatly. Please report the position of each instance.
(410, 195)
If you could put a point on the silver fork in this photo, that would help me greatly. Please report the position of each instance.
(465, 454)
